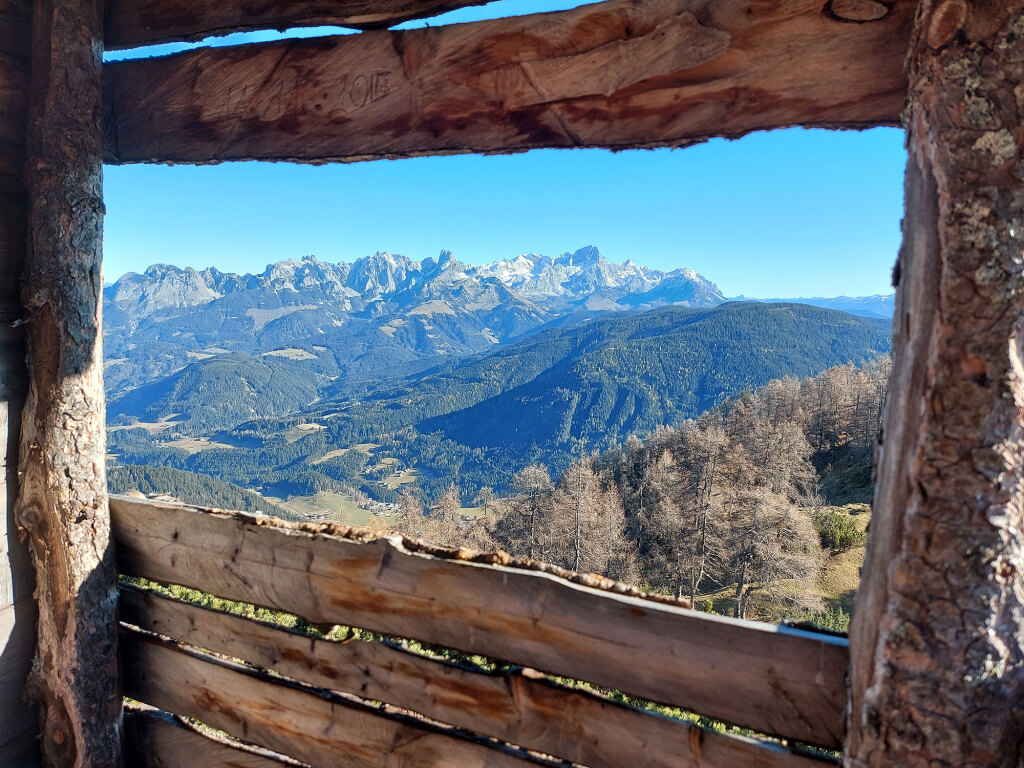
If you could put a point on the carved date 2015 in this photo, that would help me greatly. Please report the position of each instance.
(285, 97)
(350, 93)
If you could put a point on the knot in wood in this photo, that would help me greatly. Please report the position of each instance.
(857, 11)
(948, 19)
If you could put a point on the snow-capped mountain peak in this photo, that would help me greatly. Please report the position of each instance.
(548, 284)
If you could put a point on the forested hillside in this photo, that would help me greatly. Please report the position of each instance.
(476, 421)
(191, 488)
(732, 506)
(632, 373)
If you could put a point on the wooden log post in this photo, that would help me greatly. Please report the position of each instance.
(62, 505)
(17, 609)
(937, 655)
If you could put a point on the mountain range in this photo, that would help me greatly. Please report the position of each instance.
(305, 328)
(379, 313)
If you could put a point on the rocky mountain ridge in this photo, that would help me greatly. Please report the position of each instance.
(553, 283)
(368, 317)
(304, 330)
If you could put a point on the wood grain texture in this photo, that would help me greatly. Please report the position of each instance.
(20, 752)
(14, 109)
(17, 643)
(521, 707)
(299, 722)
(62, 503)
(774, 680)
(160, 740)
(16, 33)
(17, 577)
(937, 676)
(618, 74)
(145, 22)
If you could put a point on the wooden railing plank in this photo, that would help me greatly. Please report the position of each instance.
(157, 740)
(254, 706)
(775, 680)
(132, 23)
(517, 708)
(618, 74)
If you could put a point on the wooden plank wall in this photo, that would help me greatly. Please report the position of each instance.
(517, 706)
(792, 681)
(785, 682)
(18, 724)
(618, 74)
(156, 739)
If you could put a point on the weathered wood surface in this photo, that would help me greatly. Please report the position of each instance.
(18, 721)
(144, 22)
(520, 707)
(159, 740)
(17, 577)
(772, 679)
(22, 752)
(301, 723)
(938, 669)
(17, 643)
(62, 503)
(619, 74)
(15, 31)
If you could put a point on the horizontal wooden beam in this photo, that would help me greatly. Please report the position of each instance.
(159, 740)
(618, 74)
(132, 23)
(520, 707)
(260, 708)
(775, 680)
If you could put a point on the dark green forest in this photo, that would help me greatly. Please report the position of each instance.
(475, 422)
(191, 488)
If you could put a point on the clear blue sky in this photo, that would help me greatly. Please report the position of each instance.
(787, 213)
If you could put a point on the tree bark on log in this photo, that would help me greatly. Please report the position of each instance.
(62, 506)
(938, 661)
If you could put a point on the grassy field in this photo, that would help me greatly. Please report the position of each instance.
(407, 476)
(339, 507)
(837, 580)
(153, 427)
(290, 354)
(330, 455)
(299, 431)
(342, 509)
(193, 445)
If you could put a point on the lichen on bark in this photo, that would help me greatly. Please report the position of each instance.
(938, 662)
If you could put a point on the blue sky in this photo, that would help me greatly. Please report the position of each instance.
(786, 213)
